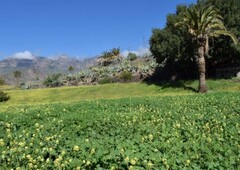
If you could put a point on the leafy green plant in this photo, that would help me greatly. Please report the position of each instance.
(105, 80)
(52, 80)
(2, 81)
(132, 56)
(181, 132)
(4, 96)
(125, 76)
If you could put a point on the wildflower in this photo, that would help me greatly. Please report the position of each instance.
(8, 125)
(150, 164)
(88, 163)
(76, 148)
(1, 142)
(150, 137)
(92, 151)
(126, 159)
(133, 162)
(188, 162)
(178, 125)
(57, 161)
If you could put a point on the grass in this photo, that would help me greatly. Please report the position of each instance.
(112, 91)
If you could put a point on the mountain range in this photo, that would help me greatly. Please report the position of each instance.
(37, 69)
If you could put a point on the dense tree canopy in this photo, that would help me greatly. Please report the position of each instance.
(174, 47)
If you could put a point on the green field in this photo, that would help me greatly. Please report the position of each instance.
(112, 91)
(118, 127)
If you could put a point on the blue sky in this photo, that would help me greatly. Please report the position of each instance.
(79, 28)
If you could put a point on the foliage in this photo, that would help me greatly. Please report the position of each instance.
(132, 56)
(52, 80)
(2, 81)
(144, 66)
(203, 23)
(136, 133)
(115, 90)
(105, 80)
(125, 76)
(71, 68)
(4, 96)
(17, 74)
(222, 52)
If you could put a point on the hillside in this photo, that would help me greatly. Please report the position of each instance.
(36, 70)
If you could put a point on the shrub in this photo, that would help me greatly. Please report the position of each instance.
(4, 96)
(132, 56)
(105, 80)
(52, 80)
(2, 81)
(125, 76)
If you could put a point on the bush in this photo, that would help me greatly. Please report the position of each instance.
(52, 81)
(4, 96)
(2, 81)
(125, 76)
(132, 56)
(105, 80)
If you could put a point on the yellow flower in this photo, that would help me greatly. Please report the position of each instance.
(88, 163)
(150, 164)
(1, 142)
(92, 151)
(76, 148)
(188, 162)
(133, 162)
(150, 137)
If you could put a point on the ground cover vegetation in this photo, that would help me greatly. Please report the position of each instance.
(180, 132)
(112, 91)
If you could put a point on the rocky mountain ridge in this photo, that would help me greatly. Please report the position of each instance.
(37, 69)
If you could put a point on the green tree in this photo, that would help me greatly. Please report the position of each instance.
(2, 81)
(70, 69)
(116, 51)
(132, 56)
(202, 23)
(222, 52)
(53, 80)
(17, 74)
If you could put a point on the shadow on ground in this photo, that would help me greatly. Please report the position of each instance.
(168, 79)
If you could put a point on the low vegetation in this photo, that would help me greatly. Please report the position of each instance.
(116, 90)
(180, 132)
(3, 96)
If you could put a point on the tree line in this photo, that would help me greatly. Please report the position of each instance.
(214, 23)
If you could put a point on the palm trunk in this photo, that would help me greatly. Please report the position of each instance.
(201, 65)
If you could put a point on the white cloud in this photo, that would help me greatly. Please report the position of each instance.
(23, 55)
(138, 52)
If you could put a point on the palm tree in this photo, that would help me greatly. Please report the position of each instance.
(203, 23)
(70, 69)
(17, 74)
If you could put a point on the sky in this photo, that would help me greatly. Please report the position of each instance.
(79, 28)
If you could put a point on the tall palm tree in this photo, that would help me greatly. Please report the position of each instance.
(17, 74)
(70, 69)
(203, 23)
